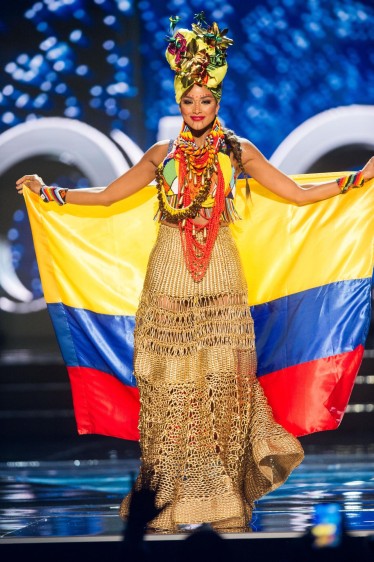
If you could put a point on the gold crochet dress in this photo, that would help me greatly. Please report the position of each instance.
(209, 443)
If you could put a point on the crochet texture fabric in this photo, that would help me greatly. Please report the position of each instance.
(209, 443)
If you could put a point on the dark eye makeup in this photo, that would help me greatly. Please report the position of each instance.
(188, 101)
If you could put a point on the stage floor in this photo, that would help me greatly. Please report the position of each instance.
(74, 490)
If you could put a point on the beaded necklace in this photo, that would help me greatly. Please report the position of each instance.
(198, 168)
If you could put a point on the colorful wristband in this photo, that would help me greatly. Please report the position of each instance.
(56, 194)
(349, 182)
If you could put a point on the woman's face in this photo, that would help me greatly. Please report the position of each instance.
(199, 108)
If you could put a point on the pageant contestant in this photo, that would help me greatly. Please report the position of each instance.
(209, 444)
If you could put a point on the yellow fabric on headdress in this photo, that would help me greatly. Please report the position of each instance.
(198, 56)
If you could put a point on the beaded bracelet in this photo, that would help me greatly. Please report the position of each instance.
(57, 194)
(348, 182)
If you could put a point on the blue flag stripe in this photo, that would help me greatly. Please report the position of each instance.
(285, 330)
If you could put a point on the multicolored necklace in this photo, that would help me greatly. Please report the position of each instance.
(198, 169)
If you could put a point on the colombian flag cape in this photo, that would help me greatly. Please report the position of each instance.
(309, 271)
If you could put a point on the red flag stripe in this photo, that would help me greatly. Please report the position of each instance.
(312, 396)
(103, 404)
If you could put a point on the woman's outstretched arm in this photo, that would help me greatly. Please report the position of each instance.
(137, 177)
(258, 167)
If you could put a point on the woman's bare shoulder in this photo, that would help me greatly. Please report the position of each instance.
(158, 151)
(249, 150)
(245, 143)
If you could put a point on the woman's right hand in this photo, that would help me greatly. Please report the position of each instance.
(368, 170)
(33, 182)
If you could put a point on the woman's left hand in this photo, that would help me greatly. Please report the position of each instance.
(368, 169)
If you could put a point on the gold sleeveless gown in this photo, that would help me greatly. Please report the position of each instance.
(209, 443)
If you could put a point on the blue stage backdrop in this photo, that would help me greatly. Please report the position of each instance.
(98, 67)
(291, 59)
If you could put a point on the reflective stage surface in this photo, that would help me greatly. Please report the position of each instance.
(60, 492)
(69, 494)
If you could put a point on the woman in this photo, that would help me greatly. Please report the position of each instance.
(210, 445)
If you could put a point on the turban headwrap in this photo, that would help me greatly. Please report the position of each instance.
(198, 56)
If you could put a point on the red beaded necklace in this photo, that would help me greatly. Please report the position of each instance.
(197, 166)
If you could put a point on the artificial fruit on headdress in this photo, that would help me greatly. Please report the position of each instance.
(198, 56)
